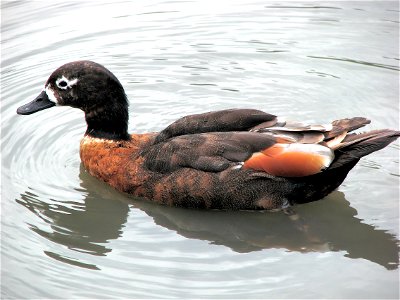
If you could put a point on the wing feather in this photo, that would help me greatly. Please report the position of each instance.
(218, 121)
(215, 141)
(212, 152)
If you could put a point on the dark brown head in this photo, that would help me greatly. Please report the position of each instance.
(92, 88)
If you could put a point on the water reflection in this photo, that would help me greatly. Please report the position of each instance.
(84, 227)
(328, 225)
(322, 226)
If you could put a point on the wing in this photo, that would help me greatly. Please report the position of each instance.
(210, 152)
(218, 121)
(248, 139)
(216, 152)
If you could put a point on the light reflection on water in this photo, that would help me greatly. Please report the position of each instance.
(314, 62)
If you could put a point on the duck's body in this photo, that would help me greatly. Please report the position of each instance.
(230, 159)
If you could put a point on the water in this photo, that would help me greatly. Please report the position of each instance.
(67, 235)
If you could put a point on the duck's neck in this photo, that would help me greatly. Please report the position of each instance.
(108, 122)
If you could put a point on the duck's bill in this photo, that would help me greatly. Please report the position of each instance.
(41, 102)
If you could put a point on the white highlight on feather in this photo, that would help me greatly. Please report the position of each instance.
(326, 153)
(50, 94)
(303, 127)
(69, 82)
(238, 166)
(289, 125)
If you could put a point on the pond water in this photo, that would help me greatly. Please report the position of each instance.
(66, 235)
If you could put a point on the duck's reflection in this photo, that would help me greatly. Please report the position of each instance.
(328, 225)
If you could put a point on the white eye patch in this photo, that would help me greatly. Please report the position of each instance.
(65, 83)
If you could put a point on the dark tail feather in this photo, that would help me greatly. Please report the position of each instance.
(355, 146)
(346, 125)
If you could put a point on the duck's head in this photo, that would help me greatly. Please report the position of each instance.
(92, 88)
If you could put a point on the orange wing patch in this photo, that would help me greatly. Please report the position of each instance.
(291, 160)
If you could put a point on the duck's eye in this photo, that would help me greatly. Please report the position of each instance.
(62, 84)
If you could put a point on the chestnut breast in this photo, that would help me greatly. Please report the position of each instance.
(116, 162)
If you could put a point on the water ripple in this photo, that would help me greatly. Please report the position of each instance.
(377, 65)
(61, 227)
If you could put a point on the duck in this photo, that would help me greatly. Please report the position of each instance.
(232, 159)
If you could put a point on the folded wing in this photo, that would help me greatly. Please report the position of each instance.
(249, 139)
